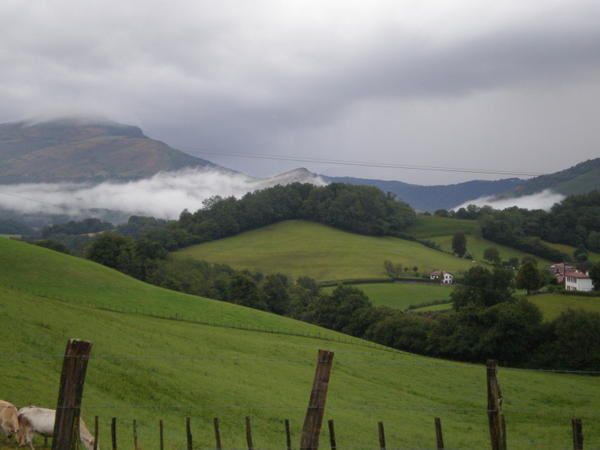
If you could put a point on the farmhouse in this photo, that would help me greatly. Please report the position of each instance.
(559, 270)
(578, 281)
(442, 277)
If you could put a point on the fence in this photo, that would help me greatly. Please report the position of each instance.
(77, 356)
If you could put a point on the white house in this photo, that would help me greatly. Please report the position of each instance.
(442, 277)
(578, 281)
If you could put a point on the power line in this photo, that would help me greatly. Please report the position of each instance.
(341, 162)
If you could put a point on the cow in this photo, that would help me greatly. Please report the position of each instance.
(9, 420)
(33, 419)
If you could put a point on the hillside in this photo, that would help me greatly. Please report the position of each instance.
(579, 179)
(431, 198)
(81, 151)
(441, 229)
(298, 248)
(149, 368)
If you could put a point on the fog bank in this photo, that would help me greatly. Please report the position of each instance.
(164, 195)
(542, 200)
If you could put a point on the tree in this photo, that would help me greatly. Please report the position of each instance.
(481, 287)
(459, 243)
(492, 255)
(529, 277)
(275, 292)
(595, 275)
(593, 241)
(392, 270)
(107, 249)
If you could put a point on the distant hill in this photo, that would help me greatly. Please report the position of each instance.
(76, 150)
(579, 179)
(430, 198)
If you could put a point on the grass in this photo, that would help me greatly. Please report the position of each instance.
(434, 308)
(149, 368)
(476, 246)
(402, 295)
(305, 248)
(593, 257)
(432, 226)
(552, 305)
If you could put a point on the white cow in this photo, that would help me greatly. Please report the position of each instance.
(9, 420)
(33, 419)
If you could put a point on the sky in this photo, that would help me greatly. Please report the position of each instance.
(497, 86)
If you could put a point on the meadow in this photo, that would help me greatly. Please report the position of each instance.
(154, 367)
(402, 295)
(432, 226)
(299, 248)
(552, 305)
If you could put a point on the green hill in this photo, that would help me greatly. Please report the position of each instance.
(426, 227)
(402, 295)
(305, 248)
(552, 305)
(147, 366)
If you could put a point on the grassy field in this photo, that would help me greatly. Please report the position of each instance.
(476, 246)
(593, 257)
(148, 368)
(552, 305)
(431, 226)
(402, 295)
(324, 253)
(434, 308)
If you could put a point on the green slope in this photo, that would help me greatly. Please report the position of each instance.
(149, 368)
(430, 226)
(305, 248)
(402, 295)
(552, 305)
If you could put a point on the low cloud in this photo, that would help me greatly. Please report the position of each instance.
(164, 195)
(542, 200)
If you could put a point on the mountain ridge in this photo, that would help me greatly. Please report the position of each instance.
(74, 150)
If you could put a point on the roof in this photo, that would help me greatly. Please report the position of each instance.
(580, 275)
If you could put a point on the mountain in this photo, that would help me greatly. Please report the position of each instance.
(579, 179)
(430, 198)
(75, 150)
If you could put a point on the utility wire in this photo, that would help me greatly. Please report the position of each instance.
(341, 162)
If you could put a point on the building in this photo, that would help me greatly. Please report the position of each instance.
(559, 270)
(578, 281)
(442, 277)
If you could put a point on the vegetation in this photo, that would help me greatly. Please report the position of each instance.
(459, 243)
(402, 295)
(300, 248)
(145, 367)
(529, 277)
(553, 305)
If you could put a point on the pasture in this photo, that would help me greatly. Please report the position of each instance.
(476, 246)
(402, 295)
(431, 226)
(299, 248)
(552, 305)
(148, 365)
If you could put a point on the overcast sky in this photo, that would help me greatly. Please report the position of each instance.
(511, 85)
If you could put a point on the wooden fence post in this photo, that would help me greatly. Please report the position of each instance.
(332, 442)
(68, 408)
(188, 434)
(161, 436)
(381, 436)
(288, 435)
(494, 406)
(96, 432)
(439, 437)
(249, 434)
(217, 433)
(113, 432)
(135, 435)
(577, 434)
(316, 405)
